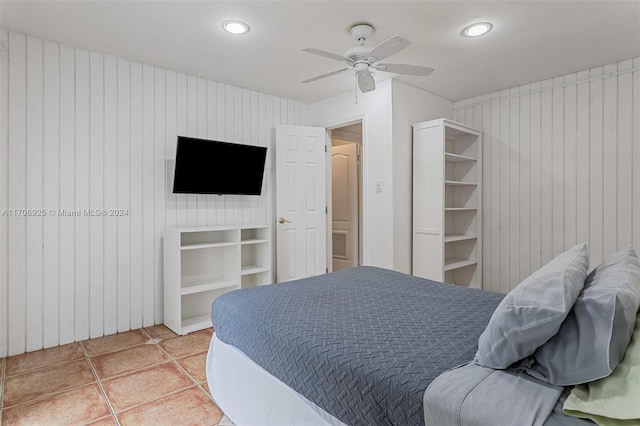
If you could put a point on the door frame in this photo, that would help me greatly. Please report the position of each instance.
(361, 118)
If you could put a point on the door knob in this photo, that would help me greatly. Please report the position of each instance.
(282, 221)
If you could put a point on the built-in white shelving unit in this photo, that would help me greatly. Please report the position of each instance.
(202, 263)
(447, 202)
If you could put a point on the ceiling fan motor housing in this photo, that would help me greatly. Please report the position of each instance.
(358, 53)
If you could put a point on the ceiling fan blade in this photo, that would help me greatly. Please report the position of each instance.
(405, 69)
(325, 54)
(387, 48)
(318, 77)
(366, 82)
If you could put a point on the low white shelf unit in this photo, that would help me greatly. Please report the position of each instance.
(202, 263)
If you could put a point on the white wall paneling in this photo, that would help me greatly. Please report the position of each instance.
(81, 181)
(562, 166)
(4, 179)
(110, 224)
(148, 206)
(16, 297)
(83, 130)
(51, 194)
(135, 197)
(34, 188)
(96, 194)
(66, 199)
(160, 172)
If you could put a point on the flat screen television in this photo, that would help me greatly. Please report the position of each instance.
(214, 167)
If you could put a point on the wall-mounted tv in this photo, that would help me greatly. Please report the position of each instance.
(214, 167)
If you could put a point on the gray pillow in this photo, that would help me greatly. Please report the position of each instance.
(533, 311)
(594, 337)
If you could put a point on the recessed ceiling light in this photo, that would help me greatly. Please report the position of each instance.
(235, 27)
(477, 29)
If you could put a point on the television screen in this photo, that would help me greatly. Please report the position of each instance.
(213, 167)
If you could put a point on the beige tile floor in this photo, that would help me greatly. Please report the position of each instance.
(147, 376)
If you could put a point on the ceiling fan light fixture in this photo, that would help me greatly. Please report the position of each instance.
(477, 29)
(366, 82)
(235, 27)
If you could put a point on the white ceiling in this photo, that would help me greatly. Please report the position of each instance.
(530, 41)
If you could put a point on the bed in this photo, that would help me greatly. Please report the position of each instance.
(357, 347)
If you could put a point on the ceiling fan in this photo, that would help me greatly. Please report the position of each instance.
(363, 59)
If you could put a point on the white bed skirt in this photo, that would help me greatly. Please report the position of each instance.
(251, 396)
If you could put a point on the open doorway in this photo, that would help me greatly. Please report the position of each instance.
(346, 196)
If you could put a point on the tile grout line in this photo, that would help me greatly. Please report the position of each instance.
(177, 364)
(99, 383)
(198, 385)
(207, 394)
(185, 371)
(172, 359)
(146, 332)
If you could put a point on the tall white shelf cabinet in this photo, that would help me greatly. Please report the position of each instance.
(447, 202)
(202, 263)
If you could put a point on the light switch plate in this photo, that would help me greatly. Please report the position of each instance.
(379, 186)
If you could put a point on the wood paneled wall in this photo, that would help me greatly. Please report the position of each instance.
(561, 166)
(83, 130)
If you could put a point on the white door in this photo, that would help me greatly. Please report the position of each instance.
(300, 202)
(344, 206)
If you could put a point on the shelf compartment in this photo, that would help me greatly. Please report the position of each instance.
(257, 279)
(196, 246)
(460, 142)
(458, 246)
(223, 237)
(211, 264)
(460, 222)
(453, 263)
(461, 171)
(202, 285)
(454, 238)
(460, 209)
(196, 323)
(459, 183)
(457, 158)
(254, 259)
(251, 234)
(196, 309)
(465, 276)
(461, 196)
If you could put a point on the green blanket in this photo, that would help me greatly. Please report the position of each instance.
(613, 400)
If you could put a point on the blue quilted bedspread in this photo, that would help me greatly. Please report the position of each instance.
(363, 344)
